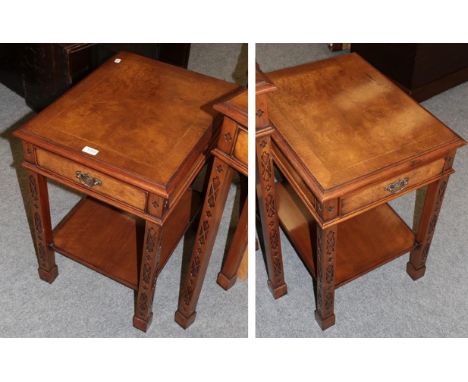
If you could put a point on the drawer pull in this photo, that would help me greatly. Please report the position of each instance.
(87, 180)
(397, 186)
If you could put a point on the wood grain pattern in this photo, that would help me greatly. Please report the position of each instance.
(363, 242)
(147, 112)
(241, 148)
(153, 125)
(110, 186)
(114, 249)
(345, 121)
(346, 141)
(377, 192)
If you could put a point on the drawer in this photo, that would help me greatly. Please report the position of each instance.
(240, 149)
(92, 179)
(391, 188)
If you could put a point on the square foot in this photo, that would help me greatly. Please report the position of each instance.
(224, 282)
(184, 321)
(48, 276)
(279, 291)
(325, 323)
(415, 273)
(142, 324)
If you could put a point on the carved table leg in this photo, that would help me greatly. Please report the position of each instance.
(228, 275)
(213, 206)
(48, 270)
(269, 218)
(416, 266)
(148, 273)
(325, 297)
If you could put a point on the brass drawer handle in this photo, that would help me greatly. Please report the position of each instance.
(397, 186)
(87, 180)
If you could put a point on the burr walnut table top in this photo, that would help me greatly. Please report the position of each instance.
(342, 122)
(149, 120)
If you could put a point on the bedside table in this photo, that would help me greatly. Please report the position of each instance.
(131, 137)
(230, 155)
(347, 141)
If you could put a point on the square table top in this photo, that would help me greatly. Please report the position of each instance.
(148, 119)
(345, 120)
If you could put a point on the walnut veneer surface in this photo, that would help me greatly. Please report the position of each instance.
(346, 141)
(152, 125)
(147, 112)
(345, 120)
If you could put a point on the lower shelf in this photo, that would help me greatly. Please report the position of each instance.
(364, 242)
(110, 241)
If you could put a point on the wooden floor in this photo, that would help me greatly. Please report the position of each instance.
(363, 241)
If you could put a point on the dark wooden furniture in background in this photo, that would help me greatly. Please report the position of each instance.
(10, 67)
(337, 46)
(421, 70)
(265, 189)
(43, 72)
(230, 155)
(152, 125)
(347, 141)
(48, 70)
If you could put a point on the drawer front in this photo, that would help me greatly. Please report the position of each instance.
(92, 179)
(240, 149)
(390, 188)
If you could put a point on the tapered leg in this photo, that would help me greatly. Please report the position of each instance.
(148, 274)
(269, 218)
(42, 227)
(416, 266)
(213, 206)
(243, 271)
(325, 296)
(228, 275)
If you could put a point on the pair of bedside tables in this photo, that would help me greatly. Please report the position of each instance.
(131, 138)
(335, 142)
